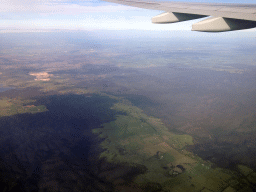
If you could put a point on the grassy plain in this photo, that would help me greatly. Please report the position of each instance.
(136, 138)
(10, 107)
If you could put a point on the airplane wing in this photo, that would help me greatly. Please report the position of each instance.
(225, 17)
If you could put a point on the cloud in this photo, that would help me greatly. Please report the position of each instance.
(81, 15)
(56, 7)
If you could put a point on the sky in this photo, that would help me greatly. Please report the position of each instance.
(84, 15)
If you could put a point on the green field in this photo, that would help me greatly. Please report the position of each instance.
(10, 107)
(136, 138)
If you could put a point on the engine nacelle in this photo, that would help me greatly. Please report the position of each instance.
(220, 24)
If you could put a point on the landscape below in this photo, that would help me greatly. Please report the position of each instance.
(82, 119)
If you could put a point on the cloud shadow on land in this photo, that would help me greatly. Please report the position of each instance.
(56, 150)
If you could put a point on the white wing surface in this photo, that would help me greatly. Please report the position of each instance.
(225, 17)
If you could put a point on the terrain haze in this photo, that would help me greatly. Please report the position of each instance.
(113, 110)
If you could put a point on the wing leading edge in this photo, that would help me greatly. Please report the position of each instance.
(225, 17)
